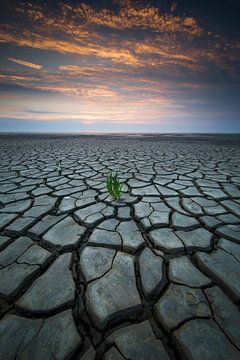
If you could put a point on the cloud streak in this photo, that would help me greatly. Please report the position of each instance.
(25, 63)
(36, 41)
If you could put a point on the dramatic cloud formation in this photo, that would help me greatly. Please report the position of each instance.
(137, 63)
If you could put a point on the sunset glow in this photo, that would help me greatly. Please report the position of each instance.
(122, 65)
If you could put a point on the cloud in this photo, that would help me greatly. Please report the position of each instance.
(44, 112)
(17, 77)
(36, 41)
(133, 64)
(171, 44)
(77, 19)
(144, 54)
(25, 63)
(131, 16)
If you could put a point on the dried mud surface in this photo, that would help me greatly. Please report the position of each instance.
(155, 275)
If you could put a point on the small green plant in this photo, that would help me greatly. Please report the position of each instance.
(58, 165)
(113, 185)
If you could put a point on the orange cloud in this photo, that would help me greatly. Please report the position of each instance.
(115, 68)
(17, 77)
(130, 54)
(36, 41)
(132, 16)
(132, 65)
(146, 48)
(25, 63)
(168, 47)
(77, 19)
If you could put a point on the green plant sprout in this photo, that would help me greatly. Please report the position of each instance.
(113, 186)
(58, 165)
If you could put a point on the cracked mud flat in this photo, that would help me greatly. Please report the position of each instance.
(153, 276)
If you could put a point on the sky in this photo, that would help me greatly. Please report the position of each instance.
(120, 66)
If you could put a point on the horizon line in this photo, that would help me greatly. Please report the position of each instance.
(119, 132)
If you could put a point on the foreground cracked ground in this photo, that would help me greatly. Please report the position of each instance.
(155, 275)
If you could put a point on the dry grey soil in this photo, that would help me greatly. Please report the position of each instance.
(155, 275)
